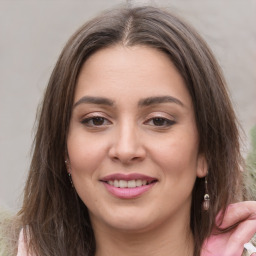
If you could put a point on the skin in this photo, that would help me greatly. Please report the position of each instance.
(232, 243)
(228, 244)
(158, 140)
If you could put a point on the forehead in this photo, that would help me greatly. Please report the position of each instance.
(130, 71)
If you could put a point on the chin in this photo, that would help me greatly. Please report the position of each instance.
(132, 221)
(133, 226)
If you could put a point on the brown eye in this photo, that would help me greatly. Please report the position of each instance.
(160, 121)
(95, 121)
(98, 121)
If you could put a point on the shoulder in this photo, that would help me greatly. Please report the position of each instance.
(22, 245)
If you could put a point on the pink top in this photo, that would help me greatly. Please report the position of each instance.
(22, 249)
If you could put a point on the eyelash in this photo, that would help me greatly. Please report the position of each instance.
(165, 122)
(162, 122)
(89, 121)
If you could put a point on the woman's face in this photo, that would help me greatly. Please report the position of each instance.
(133, 141)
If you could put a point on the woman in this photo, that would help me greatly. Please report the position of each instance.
(137, 148)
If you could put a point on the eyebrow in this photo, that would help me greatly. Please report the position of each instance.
(142, 103)
(94, 100)
(159, 99)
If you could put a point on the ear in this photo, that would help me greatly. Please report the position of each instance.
(202, 166)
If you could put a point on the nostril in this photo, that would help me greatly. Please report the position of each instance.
(126, 158)
(127, 149)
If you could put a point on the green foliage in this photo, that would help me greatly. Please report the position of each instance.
(7, 240)
(251, 166)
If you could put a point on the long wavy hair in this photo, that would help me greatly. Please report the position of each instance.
(55, 220)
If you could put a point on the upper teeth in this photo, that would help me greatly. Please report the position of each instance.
(127, 184)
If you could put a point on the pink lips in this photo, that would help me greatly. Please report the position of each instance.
(128, 193)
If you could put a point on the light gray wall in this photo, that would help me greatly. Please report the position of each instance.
(32, 34)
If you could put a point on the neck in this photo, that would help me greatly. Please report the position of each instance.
(168, 239)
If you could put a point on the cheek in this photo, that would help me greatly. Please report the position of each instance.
(85, 154)
(177, 156)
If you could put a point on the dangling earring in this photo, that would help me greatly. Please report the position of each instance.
(206, 203)
(70, 178)
(69, 174)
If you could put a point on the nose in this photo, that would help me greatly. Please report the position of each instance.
(127, 145)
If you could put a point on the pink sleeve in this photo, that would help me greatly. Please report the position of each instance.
(22, 248)
(232, 242)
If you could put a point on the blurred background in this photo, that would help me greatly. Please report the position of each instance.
(32, 34)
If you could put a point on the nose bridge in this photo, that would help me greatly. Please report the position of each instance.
(127, 136)
(127, 145)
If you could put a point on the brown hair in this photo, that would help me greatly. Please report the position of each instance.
(56, 220)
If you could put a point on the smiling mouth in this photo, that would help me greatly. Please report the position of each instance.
(129, 183)
(128, 186)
